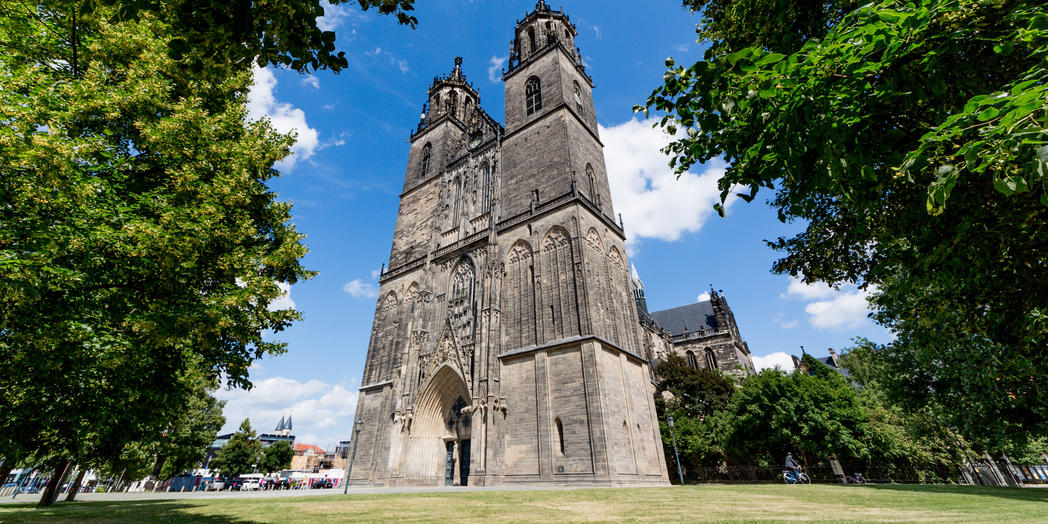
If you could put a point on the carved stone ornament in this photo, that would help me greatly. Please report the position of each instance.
(593, 240)
(555, 239)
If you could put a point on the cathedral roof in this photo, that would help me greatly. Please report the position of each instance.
(689, 318)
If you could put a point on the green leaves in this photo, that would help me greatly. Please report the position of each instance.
(910, 138)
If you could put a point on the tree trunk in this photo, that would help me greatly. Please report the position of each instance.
(74, 488)
(51, 490)
(159, 465)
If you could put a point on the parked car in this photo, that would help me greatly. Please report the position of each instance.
(282, 484)
(250, 484)
(215, 484)
(234, 484)
(323, 484)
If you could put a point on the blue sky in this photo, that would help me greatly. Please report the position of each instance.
(348, 166)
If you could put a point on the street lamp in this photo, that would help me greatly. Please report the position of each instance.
(356, 436)
(669, 422)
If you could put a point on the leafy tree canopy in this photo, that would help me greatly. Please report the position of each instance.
(240, 455)
(240, 32)
(139, 242)
(276, 457)
(911, 139)
(697, 392)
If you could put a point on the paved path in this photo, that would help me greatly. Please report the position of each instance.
(174, 495)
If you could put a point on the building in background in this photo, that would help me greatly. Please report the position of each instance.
(705, 333)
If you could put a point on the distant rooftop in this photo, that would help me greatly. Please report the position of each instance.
(689, 318)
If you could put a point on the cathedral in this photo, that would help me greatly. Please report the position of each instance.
(510, 342)
(505, 346)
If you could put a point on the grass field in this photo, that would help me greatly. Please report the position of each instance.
(736, 503)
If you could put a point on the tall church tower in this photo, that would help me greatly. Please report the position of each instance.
(505, 346)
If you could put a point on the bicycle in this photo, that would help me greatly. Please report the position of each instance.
(800, 478)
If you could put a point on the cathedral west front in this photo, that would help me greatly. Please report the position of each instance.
(507, 344)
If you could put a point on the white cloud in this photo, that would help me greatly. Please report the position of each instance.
(360, 289)
(321, 412)
(312, 81)
(778, 359)
(283, 301)
(393, 60)
(847, 310)
(495, 69)
(654, 203)
(596, 31)
(704, 296)
(798, 289)
(683, 48)
(335, 16)
(375, 273)
(285, 118)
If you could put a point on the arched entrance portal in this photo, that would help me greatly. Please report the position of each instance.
(439, 446)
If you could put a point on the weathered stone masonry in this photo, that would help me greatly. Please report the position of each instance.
(505, 346)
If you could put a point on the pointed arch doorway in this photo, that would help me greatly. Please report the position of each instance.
(440, 434)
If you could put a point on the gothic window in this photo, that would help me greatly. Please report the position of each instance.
(485, 193)
(531, 40)
(461, 306)
(558, 273)
(518, 296)
(692, 361)
(592, 183)
(578, 96)
(532, 96)
(457, 196)
(425, 160)
(560, 435)
(467, 109)
(711, 359)
(452, 103)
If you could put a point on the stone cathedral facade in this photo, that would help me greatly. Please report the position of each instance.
(506, 346)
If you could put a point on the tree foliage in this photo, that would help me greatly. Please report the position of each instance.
(697, 391)
(911, 139)
(276, 457)
(815, 415)
(240, 455)
(139, 242)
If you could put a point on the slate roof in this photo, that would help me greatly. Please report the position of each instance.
(692, 317)
(829, 362)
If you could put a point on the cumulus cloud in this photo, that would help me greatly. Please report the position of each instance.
(704, 296)
(360, 289)
(495, 69)
(283, 301)
(847, 310)
(284, 117)
(778, 359)
(320, 410)
(312, 81)
(655, 203)
(798, 289)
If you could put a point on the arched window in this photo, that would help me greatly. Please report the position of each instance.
(560, 435)
(532, 96)
(531, 39)
(578, 96)
(592, 183)
(711, 359)
(425, 159)
(485, 192)
(467, 109)
(452, 103)
(692, 361)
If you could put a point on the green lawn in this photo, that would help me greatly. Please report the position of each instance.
(738, 503)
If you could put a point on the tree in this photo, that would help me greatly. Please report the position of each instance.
(240, 455)
(276, 457)
(139, 242)
(911, 139)
(240, 32)
(697, 392)
(698, 395)
(817, 415)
